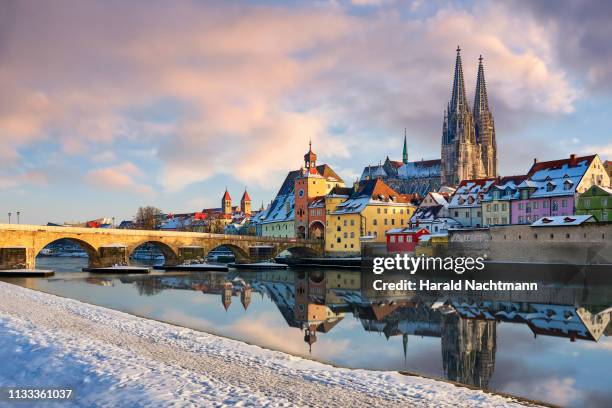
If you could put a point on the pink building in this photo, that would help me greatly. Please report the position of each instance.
(550, 189)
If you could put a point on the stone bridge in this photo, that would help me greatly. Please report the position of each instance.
(20, 244)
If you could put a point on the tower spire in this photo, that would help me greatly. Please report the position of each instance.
(458, 101)
(405, 153)
(481, 100)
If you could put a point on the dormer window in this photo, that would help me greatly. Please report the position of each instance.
(550, 186)
(524, 194)
(461, 200)
(567, 185)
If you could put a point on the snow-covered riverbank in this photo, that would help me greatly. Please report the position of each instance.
(111, 358)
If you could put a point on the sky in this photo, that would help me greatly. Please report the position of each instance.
(109, 105)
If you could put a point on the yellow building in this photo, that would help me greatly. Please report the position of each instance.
(371, 208)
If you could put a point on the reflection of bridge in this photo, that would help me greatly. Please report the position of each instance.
(20, 244)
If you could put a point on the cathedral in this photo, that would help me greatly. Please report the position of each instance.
(469, 149)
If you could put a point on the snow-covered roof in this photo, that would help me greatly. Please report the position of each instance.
(562, 220)
(406, 230)
(469, 193)
(372, 172)
(556, 178)
(417, 169)
(372, 192)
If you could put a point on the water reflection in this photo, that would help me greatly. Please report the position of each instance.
(526, 343)
(315, 302)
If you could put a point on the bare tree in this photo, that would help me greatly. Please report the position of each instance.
(148, 218)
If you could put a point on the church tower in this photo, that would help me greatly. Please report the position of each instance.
(226, 203)
(461, 155)
(484, 125)
(405, 152)
(245, 203)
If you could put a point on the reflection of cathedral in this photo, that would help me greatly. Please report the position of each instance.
(468, 350)
(315, 302)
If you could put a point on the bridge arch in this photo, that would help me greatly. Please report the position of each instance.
(316, 230)
(170, 254)
(240, 254)
(298, 251)
(90, 250)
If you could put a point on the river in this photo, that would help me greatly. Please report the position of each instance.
(552, 345)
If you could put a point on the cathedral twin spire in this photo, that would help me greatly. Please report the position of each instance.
(468, 138)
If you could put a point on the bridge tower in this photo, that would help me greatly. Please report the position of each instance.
(308, 185)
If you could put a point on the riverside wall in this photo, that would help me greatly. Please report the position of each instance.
(587, 244)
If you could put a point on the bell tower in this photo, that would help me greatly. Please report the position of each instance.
(245, 203)
(226, 203)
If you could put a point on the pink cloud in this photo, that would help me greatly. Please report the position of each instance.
(255, 83)
(122, 177)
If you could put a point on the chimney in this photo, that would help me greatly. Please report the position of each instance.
(572, 159)
(535, 160)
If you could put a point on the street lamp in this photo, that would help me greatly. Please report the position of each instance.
(9, 217)
(18, 213)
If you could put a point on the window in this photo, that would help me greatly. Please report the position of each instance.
(385, 210)
(345, 223)
(394, 211)
(520, 206)
(408, 238)
(535, 236)
(567, 236)
(552, 236)
(401, 210)
(489, 207)
(346, 235)
(503, 207)
(467, 214)
(504, 220)
(392, 239)
(456, 213)
(386, 221)
(400, 238)
(392, 221)
(338, 229)
(564, 203)
(536, 205)
(545, 204)
(374, 221)
(495, 207)
(521, 219)
(378, 210)
(352, 235)
(478, 214)
(555, 206)
(338, 240)
(352, 222)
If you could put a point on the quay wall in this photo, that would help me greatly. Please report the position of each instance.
(586, 244)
